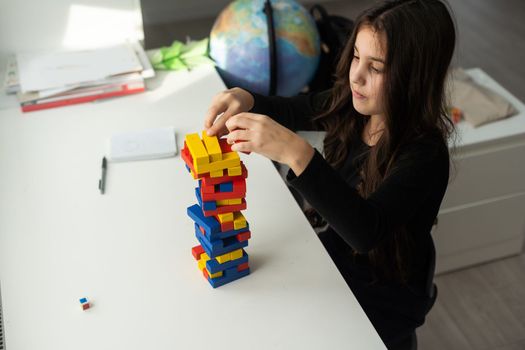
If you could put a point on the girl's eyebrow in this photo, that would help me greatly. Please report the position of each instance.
(377, 59)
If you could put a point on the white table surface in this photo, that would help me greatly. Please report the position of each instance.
(129, 251)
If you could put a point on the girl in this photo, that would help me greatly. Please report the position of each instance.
(378, 190)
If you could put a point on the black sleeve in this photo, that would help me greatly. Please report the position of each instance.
(361, 222)
(294, 113)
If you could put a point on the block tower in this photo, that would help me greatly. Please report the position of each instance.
(220, 227)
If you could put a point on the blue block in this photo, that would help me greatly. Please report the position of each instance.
(210, 224)
(228, 276)
(187, 167)
(226, 187)
(229, 244)
(83, 300)
(222, 234)
(213, 266)
(209, 205)
(217, 244)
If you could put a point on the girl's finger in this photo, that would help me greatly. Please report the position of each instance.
(241, 121)
(239, 135)
(244, 147)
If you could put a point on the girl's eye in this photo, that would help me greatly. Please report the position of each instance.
(375, 70)
(356, 57)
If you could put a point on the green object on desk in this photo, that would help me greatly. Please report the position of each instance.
(182, 56)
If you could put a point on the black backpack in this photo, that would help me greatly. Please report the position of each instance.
(334, 32)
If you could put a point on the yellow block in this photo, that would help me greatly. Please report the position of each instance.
(235, 171)
(238, 220)
(225, 217)
(236, 254)
(234, 201)
(229, 159)
(197, 150)
(224, 258)
(213, 147)
(217, 173)
(202, 261)
(222, 202)
(213, 275)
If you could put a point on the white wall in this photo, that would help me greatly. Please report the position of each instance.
(166, 11)
(46, 24)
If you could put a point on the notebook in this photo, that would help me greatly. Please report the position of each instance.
(143, 144)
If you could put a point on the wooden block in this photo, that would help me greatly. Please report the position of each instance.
(216, 173)
(235, 201)
(225, 217)
(225, 209)
(197, 150)
(243, 266)
(235, 171)
(197, 251)
(227, 226)
(220, 179)
(214, 275)
(226, 187)
(224, 258)
(244, 236)
(236, 254)
(212, 146)
(238, 220)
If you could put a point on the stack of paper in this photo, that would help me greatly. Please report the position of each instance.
(52, 79)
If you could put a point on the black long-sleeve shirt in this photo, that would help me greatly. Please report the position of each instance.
(409, 197)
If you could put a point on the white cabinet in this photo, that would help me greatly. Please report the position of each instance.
(482, 216)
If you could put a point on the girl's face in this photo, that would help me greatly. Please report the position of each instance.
(366, 72)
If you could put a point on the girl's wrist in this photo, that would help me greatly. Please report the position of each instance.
(301, 153)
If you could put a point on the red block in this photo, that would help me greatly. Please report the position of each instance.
(86, 306)
(226, 209)
(226, 226)
(197, 251)
(244, 236)
(225, 146)
(239, 191)
(205, 273)
(242, 267)
(209, 181)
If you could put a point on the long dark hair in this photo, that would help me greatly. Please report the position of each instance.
(420, 41)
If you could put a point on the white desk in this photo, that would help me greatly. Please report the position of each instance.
(129, 251)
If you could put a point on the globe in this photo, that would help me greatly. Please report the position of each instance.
(239, 46)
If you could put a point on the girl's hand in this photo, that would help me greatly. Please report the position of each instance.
(258, 133)
(227, 103)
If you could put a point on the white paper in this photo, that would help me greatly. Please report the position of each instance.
(143, 144)
(55, 70)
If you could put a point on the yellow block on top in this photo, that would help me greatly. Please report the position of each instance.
(213, 147)
(197, 150)
(229, 159)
